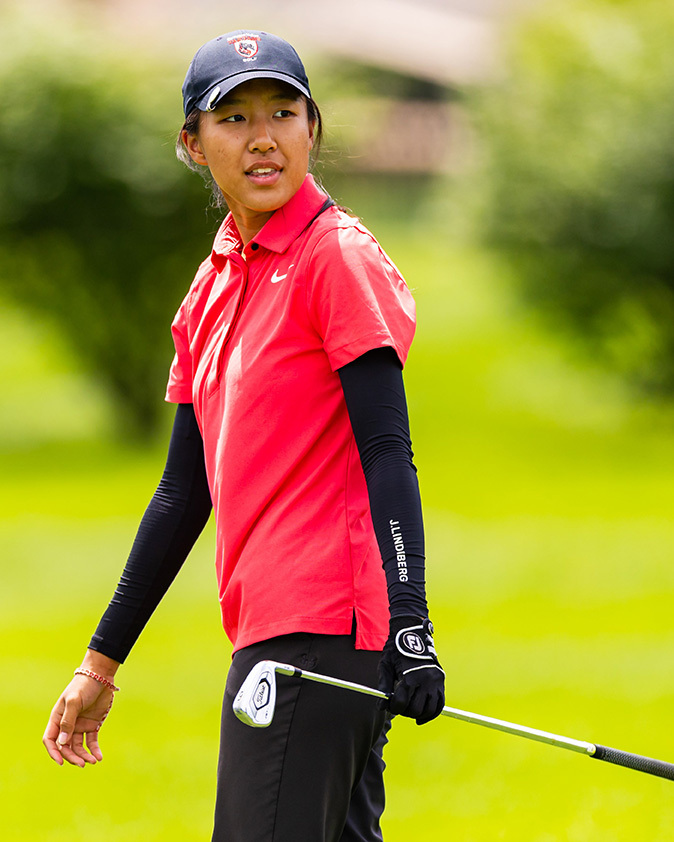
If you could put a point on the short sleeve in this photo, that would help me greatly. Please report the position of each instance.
(357, 299)
(179, 389)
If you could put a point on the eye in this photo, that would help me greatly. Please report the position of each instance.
(283, 112)
(233, 118)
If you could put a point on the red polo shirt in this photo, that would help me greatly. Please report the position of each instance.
(258, 340)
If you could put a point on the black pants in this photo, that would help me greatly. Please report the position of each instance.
(315, 774)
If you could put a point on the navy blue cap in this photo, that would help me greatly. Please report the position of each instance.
(237, 57)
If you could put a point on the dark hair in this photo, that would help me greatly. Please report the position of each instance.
(191, 126)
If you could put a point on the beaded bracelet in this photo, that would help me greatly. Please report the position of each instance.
(97, 677)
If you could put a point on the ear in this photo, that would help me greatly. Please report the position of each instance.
(193, 146)
(312, 127)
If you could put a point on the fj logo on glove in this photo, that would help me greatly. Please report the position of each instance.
(412, 644)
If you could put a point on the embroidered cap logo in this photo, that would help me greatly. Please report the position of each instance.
(245, 45)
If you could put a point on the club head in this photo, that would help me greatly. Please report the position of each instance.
(255, 702)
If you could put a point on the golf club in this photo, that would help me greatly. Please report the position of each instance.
(256, 700)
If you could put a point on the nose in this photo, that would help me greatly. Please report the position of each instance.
(261, 136)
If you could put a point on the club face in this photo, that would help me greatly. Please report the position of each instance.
(255, 702)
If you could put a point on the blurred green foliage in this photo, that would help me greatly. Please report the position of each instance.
(578, 156)
(101, 228)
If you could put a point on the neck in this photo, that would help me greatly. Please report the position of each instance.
(250, 223)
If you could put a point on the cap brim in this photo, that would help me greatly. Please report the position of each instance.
(209, 102)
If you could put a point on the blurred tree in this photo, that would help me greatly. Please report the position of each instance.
(578, 155)
(101, 228)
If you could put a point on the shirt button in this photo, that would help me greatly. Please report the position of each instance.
(254, 247)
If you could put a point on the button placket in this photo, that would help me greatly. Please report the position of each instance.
(242, 265)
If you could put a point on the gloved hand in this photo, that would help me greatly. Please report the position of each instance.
(409, 671)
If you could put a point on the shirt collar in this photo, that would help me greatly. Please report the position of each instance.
(282, 229)
(288, 222)
(226, 241)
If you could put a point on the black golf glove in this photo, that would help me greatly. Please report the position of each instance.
(409, 671)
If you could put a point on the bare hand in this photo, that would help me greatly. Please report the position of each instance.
(79, 713)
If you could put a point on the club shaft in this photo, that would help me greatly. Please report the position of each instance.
(521, 731)
(454, 713)
(621, 758)
(286, 669)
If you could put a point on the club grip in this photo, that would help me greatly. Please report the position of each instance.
(635, 761)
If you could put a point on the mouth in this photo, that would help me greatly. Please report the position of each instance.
(264, 173)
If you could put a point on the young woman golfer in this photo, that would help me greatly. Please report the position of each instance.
(292, 425)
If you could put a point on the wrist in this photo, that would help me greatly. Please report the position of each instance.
(408, 607)
(100, 664)
(411, 618)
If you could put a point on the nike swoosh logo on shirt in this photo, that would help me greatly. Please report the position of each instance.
(275, 278)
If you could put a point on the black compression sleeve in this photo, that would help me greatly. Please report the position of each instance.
(171, 524)
(375, 398)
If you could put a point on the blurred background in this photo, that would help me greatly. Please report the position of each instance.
(515, 158)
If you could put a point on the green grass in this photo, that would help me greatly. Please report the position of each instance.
(547, 497)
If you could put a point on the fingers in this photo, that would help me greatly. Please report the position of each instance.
(68, 742)
(50, 735)
(75, 752)
(79, 749)
(73, 717)
(56, 741)
(92, 744)
(433, 707)
(70, 756)
(416, 703)
(402, 697)
(419, 695)
(72, 709)
(58, 734)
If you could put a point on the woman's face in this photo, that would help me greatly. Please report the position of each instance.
(256, 144)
